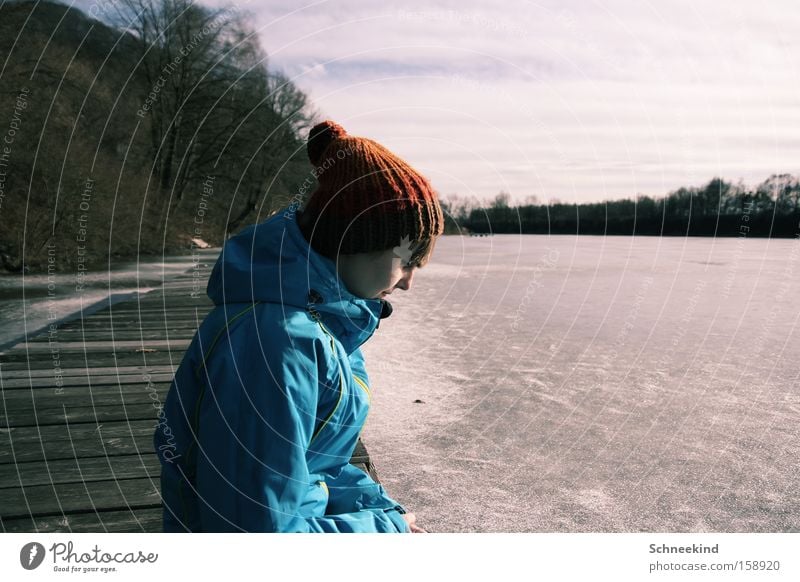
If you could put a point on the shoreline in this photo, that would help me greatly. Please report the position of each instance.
(107, 301)
(130, 280)
(469, 234)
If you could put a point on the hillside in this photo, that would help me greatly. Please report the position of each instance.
(86, 175)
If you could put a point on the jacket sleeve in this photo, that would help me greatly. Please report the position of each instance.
(353, 489)
(255, 428)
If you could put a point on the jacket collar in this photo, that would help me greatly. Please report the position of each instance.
(272, 262)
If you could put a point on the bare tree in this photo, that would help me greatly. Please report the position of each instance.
(213, 107)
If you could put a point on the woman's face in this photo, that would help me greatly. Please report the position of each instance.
(376, 275)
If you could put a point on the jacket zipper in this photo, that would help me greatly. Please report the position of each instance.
(316, 317)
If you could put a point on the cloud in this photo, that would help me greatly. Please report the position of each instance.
(578, 99)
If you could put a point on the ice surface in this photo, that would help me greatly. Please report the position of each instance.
(593, 384)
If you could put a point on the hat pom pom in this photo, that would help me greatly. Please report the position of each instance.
(320, 137)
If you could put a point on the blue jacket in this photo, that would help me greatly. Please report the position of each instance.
(264, 411)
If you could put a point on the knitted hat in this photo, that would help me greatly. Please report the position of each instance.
(367, 199)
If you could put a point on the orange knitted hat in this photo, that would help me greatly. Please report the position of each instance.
(367, 199)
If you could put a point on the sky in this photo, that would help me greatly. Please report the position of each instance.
(571, 100)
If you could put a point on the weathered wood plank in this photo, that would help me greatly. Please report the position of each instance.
(360, 453)
(77, 448)
(184, 308)
(158, 316)
(131, 334)
(70, 441)
(78, 414)
(32, 473)
(178, 345)
(138, 520)
(82, 431)
(56, 499)
(128, 330)
(82, 395)
(121, 370)
(43, 360)
(118, 326)
(155, 319)
(15, 384)
(152, 314)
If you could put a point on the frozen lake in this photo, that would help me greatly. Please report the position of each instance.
(593, 384)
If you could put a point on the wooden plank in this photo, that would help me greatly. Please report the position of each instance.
(126, 327)
(155, 315)
(56, 499)
(138, 520)
(130, 328)
(43, 360)
(78, 414)
(70, 441)
(182, 306)
(154, 310)
(155, 319)
(32, 473)
(150, 316)
(118, 325)
(131, 339)
(359, 453)
(127, 445)
(121, 370)
(82, 395)
(102, 346)
(172, 304)
(89, 380)
(131, 334)
(81, 431)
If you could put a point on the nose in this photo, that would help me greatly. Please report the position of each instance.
(405, 282)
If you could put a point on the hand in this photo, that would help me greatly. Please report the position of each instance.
(411, 520)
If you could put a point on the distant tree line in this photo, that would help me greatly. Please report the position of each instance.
(720, 208)
(157, 123)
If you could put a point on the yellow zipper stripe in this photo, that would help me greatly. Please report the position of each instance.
(341, 386)
(364, 387)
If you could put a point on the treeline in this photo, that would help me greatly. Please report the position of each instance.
(136, 127)
(720, 208)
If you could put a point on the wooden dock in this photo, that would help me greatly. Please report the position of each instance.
(79, 407)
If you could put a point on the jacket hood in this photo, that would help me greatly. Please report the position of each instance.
(272, 262)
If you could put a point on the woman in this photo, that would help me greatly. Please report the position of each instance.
(267, 405)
